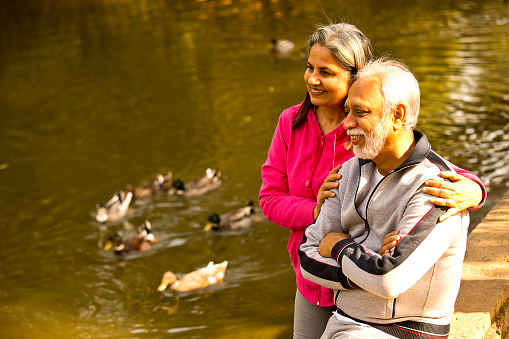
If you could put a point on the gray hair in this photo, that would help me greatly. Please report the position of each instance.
(398, 86)
(347, 44)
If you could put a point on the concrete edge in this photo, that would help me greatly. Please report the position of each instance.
(482, 306)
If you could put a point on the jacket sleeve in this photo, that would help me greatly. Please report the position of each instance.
(423, 242)
(289, 211)
(314, 267)
(473, 177)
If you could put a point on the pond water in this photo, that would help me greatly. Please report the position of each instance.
(95, 94)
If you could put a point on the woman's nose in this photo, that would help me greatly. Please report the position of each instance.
(313, 79)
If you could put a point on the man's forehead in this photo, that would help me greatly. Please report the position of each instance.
(364, 90)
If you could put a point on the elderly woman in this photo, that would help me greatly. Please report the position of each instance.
(307, 150)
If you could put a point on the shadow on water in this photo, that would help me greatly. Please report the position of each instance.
(98, 94)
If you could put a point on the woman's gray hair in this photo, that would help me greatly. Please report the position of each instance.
(398, 86)
(347, 44)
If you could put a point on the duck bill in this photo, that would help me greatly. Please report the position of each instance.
(163, 286)
(108, 245)
(208, 227)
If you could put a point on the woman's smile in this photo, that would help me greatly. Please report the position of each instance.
(316, 91)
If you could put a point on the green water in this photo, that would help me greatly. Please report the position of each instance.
(100, 93)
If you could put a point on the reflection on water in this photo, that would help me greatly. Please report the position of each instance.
(98, 94)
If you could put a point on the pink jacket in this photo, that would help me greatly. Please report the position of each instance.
(297, 164)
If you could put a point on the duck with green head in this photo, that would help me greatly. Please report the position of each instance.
(197, 187)
(237, 219)
(140, 242)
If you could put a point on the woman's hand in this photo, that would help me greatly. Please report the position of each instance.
(390, 241)
(458, 194)
(324, 192)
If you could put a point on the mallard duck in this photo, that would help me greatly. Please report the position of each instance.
(151, 188)
(139, 242)
(200, 186)
(282, 47)
(237, 219)
(201, 278)
(115, 209)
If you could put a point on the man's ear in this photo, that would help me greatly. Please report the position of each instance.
(399, 116)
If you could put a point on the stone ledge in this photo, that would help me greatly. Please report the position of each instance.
(482, 306)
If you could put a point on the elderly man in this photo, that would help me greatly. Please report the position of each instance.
(410, 291)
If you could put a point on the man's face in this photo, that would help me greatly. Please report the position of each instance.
(365, 122)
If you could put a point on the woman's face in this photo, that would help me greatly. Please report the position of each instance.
(327, 81)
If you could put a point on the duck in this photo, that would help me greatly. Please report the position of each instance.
(115, 209)
(282, 47)
(151, 188)
(201, 278)
(140, 242)
(197, 187)
(237, 219)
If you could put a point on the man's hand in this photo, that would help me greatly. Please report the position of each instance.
(328, 243)
(390, 241)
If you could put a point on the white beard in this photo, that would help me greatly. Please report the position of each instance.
(373, 141)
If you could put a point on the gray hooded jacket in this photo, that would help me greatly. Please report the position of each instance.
(420, 279)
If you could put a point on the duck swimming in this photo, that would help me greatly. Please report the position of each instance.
(151, 188)
(115, 209)
(139, 242)
(282, 47)
(199, 186)
(201, 278)
(237, 219)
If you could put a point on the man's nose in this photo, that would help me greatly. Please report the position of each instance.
(349, 121)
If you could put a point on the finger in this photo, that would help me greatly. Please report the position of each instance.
(388, 241)
(450, 212)
(386, 248)
(332, 177)
(392, 233)
(453, 176)
(329, 185)
(336, 169)
(438, 192)
(436, 183)
(325, 194)
(449, 202)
